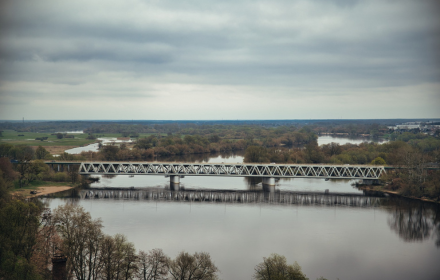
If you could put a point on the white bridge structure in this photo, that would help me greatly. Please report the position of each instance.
(368, 173)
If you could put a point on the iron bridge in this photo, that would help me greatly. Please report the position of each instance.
(233, 170)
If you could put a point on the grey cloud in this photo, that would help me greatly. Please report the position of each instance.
(338, 44)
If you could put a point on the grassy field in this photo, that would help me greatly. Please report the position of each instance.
(28, 138)
(54, 145)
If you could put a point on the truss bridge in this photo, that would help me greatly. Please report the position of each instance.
(234, 196)
(267, 171)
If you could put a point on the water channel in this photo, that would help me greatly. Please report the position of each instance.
(392, 238)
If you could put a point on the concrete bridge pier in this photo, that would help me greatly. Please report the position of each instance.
(175, 182)
(270, 181)
(175, 179)
(269, 184)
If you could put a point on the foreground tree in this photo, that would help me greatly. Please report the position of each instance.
(275, 267)
(19, 222)
(81, 239)
(193, 267)
(152, 265)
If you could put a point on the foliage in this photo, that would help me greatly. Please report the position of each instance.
(193, 267)
(256, 154)
(19, 222)
(378, 161)
(275, 267)
(41, 153)
(81, 236)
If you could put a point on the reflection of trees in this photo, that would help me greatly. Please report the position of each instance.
(253, 182)
(413, 220)
(437, 227)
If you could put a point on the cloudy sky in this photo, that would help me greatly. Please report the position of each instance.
(205, 59)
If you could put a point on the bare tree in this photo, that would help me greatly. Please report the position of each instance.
(108, 249)
(197, 267)
(118, 258)
(73, 173)
(152, 266)
(275, 267)
(81, 240)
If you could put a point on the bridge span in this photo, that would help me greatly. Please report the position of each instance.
(234, 196)
(368, 173)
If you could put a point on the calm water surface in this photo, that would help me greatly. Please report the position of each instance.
(394, 240)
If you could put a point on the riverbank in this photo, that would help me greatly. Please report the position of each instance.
(40, 191)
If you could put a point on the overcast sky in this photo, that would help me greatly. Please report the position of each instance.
(237, 59)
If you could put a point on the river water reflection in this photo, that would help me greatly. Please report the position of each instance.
(387, 239)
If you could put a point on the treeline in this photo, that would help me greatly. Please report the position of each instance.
(48, 126)
(155, 147)
(373, 130)
(415, 153)
(23, 165)
(391, 153)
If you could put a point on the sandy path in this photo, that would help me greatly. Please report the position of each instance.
(48, 190)
(43, 191)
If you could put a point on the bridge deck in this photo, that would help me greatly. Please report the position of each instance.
(233, 170)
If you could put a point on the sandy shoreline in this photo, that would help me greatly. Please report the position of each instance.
(44, 190)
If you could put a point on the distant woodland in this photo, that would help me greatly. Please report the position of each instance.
(261, 142)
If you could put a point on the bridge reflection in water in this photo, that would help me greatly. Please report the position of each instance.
(235, 196)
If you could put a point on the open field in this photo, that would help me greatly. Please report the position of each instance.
(53, 144)
(28, 138)
(56, 150)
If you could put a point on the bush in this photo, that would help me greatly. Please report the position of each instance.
(60, 177)
(378, 161)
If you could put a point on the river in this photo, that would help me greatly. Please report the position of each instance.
(394, 240)
(390, 239)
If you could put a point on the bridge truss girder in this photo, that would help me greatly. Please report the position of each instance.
(233, 170)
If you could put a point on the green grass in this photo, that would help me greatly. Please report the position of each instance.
(11, 137)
